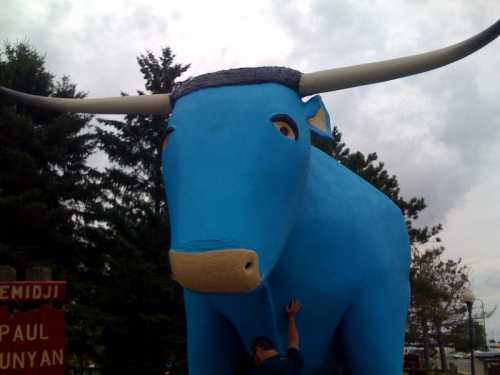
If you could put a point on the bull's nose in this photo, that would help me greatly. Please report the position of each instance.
(216, 271)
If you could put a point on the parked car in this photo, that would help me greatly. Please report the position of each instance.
(460, 355)
(492, 354)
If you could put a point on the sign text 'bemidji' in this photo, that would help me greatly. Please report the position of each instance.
(32, 291)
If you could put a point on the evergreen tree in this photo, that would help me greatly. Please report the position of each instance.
(146, 327)
(46, 186)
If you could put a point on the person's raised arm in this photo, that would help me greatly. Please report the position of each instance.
(293, 335)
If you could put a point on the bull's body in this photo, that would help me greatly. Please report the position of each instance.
(344, 250)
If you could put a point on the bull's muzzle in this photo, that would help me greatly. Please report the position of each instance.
(216, 271)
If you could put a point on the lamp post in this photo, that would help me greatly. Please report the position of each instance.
(469, 298)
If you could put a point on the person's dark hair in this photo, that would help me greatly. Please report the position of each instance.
(263, 342)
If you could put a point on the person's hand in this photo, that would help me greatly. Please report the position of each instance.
(293, 307)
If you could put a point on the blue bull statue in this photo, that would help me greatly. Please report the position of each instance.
(259, 216)
(259, 213)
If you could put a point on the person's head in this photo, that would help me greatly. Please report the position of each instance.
(263, 348)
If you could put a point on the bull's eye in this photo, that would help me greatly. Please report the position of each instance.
(286, 126)
(168, 133)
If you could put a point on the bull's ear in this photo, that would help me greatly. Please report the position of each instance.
(318, 118)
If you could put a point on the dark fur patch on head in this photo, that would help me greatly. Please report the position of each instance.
(242, 76)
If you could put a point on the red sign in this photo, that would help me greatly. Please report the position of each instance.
(32, 291)
(32, 342)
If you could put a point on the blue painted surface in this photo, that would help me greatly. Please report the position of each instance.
(321, 233)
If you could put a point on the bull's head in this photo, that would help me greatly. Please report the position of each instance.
(235, 171)
(235, 139)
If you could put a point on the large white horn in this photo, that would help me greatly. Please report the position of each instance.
(358, 75)
(158, 104)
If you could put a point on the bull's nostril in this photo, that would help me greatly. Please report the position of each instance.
(248, 265)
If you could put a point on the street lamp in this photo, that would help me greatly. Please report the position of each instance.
(469, 298)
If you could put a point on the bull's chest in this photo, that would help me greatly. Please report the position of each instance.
(262, 312)
(254, 314)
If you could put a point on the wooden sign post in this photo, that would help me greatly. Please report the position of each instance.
(32, 342)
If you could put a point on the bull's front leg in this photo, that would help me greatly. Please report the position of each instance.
(214, 347)
(373, 329)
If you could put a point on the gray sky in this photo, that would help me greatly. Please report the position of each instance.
(439, 132)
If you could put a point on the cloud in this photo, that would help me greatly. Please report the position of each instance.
(432, 130)
(489, 278)
(95, 43)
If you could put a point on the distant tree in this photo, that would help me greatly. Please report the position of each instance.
(146, 328)
(46, 185)
(437, 289)
(459, 336)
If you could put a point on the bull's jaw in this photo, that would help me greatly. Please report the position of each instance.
(216, 271)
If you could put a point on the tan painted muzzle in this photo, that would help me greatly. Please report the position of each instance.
(216, 271)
